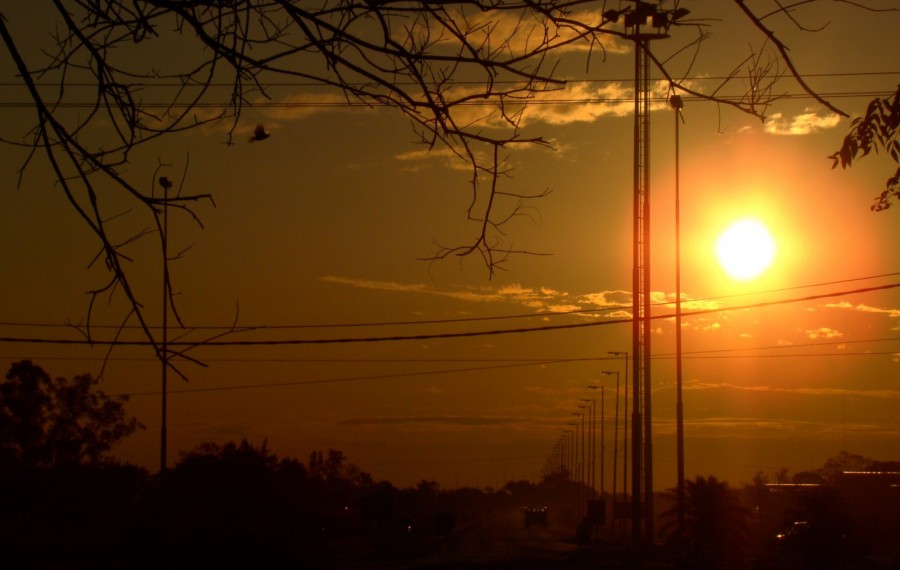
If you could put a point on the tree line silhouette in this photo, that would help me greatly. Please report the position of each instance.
(66, 503)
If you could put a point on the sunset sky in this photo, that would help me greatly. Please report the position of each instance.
(318, 234)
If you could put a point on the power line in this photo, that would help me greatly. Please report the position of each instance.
(472, 103)
(435, 336)
(802, 355)
(344, 379)
(787, 346)
(400, 375)
(249, 328)
(663, 356)
(536, 314)
(271, 84)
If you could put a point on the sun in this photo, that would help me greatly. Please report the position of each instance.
(745, 249)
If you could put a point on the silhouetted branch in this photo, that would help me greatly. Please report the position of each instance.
(783, 52)
(430, 61)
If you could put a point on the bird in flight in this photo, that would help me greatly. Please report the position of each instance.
(259, 134)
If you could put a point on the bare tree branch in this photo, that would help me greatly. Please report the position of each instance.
(430, 61)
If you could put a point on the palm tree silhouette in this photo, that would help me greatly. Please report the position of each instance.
(715, 526)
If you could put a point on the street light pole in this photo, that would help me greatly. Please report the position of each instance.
(625, 428)
(592, 444)
(615, 441)
(580, 464)
(602, 448)
(573, 450)
(678, 104)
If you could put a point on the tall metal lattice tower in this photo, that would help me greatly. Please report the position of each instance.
(642, 469)
(643, 22)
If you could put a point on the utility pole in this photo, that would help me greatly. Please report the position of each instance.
(678, 104)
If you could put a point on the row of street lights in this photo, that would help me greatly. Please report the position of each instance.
(574, 454)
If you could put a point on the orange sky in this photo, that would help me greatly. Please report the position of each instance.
(317, 234)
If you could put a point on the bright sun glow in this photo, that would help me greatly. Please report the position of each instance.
(745, 249)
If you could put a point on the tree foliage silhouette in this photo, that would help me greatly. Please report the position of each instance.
(46, 422)
(715, 529)
(875, 131)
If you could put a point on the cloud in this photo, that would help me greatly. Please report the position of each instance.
(734, 422)
(802, 124)
(380, 285)
(823, 332)
(585, 102)
(416, 160)
(304, 104)
(538, 299)
(509, 106)
(515, 293)
(757, 428)
(512, 106)
(446, 421)
(892, 313)
(608, 299)
(802, 390)
(562, 308)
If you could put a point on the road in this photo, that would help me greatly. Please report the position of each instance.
(495, 540)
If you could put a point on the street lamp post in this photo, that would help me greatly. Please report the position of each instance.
(625, 428)
(573, 454)
(678, 104)
(589, 454)
(581, 464)
(602, 439)
(615, 441)
(592, 443)
(602, 450)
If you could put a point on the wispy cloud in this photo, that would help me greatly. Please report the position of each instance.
(608, 299)
(519, 106)
(687, 304)
(734, 428)
(418, 159)
(304, 104)
(468, 294)
(802, 124)
(742, 423)
(539, 299)
(443, 421)
(892, 313)
(800, 390)
(822, 332)
(587, 102)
